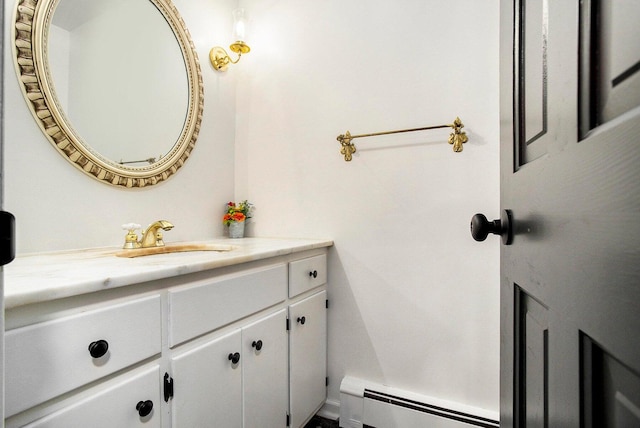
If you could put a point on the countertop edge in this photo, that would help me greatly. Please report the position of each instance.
(35, 278)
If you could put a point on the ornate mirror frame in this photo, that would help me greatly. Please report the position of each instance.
(32, 21)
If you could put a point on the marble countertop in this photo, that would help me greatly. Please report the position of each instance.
(33, 278)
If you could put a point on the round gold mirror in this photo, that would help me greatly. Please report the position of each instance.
(115, 86)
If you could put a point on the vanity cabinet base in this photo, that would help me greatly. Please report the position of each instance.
(238, 350)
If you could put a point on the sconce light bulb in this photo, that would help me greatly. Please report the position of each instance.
(238, 32)
(239, 26)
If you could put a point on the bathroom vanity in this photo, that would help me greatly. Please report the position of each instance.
(195, 339)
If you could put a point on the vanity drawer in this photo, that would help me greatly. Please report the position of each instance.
(47, 359)
(198, 309)
(117, 405)
(306, 274)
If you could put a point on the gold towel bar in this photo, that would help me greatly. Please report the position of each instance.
(457, 137)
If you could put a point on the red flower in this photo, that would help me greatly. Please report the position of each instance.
(238, 217)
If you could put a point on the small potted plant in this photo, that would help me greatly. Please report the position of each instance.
(236, 217)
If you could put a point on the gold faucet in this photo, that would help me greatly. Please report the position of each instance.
(152, 237)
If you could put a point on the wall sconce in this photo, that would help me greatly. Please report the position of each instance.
(218, 56)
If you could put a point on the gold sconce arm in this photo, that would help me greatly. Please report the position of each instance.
(457, 137)
(220, 59)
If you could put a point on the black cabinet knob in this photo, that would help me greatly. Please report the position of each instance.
(7, 238)
(257, 345)
(302, 320)
(234, 358)
(314, 274)
(98, 348)
(481, 227)
(144, 408)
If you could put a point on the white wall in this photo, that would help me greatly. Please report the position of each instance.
(414, 300)
(58, 207)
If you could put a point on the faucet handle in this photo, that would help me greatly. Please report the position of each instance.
(131, 238)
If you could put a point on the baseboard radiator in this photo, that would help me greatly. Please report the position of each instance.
(369, 405)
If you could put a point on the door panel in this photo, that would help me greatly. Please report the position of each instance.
(610, 391)
(610, 61)
(530, 96)
(573, 269)
(531, 360)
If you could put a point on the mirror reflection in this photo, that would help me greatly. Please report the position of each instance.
(119, 77)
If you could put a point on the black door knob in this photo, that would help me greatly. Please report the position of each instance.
(234, 358)
(144, 408)
(481, 227)
(302, 320)
(98, 348)
(314, 274)
(257, 345)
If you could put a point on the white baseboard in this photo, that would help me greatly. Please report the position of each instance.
(330, 410)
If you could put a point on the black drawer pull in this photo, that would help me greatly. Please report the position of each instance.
(98, 348)
(314, 274)
(234, 358)
(257, 345)
(144, 408)
(302, 320)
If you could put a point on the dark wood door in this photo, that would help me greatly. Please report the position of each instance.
(570, 175)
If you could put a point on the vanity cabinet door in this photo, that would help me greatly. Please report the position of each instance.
(264, 372)
(134, 402)
(207, 384)
(307, 357)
